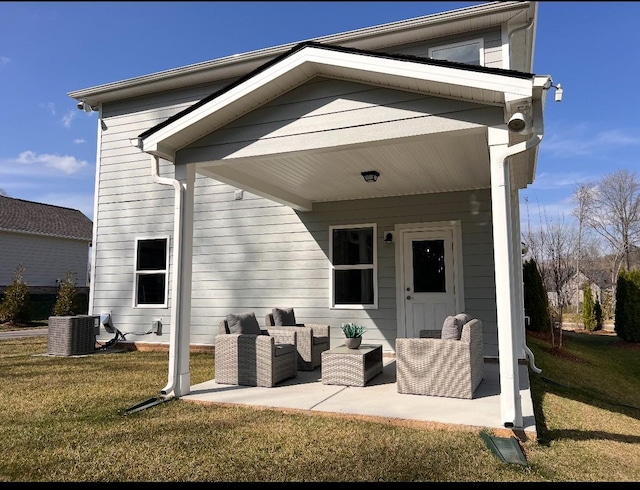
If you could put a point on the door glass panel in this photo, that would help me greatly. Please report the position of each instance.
(428, 266)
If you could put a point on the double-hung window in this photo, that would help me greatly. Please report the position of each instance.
(151, 272)
(354, 276)
(470, 52)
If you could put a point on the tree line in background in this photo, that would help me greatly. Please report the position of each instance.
(592, 265)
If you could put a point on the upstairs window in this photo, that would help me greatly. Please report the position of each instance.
(353, 266)
(151, 271)
(470, 52)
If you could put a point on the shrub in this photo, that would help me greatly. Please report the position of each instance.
(67, 300)
(588, 309)
(536, 301)
(16, 305)
(627, 316)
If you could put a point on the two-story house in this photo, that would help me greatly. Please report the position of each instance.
(237, 185)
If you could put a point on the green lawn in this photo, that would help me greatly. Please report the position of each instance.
(62, 420)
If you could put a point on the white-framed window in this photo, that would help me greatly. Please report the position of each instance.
(470, 52)
(353, 257)
(151, 267)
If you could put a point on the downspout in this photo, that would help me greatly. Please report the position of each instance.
(532, 142)
(174, 338)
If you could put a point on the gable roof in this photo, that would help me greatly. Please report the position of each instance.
(20, 216)
(299, 47)
(484, 85)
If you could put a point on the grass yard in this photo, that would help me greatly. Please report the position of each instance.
(62, 420)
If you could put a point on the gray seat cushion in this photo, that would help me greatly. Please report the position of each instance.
(245, 323)
(282, 349)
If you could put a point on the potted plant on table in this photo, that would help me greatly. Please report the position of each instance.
(353, 334)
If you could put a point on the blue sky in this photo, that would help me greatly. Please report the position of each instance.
(47, 49)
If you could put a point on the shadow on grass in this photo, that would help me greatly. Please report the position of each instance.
(541, 386)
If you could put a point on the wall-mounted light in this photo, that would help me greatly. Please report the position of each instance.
(370, 175)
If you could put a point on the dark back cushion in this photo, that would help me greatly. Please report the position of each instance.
(243, 323)
(283, 316)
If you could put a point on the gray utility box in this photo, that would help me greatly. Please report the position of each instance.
(72, 335)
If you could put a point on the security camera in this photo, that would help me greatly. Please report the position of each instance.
(518, 122)
(80, 105)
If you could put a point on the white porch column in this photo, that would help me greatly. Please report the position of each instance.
(186, 175)
(506, 301)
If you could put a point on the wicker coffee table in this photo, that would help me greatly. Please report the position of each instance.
(351, 367)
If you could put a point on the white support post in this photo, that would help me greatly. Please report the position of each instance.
(501, 199)
(185, 174)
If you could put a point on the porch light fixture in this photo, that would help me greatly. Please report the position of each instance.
(370, 175)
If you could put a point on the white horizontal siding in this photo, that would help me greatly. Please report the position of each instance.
(45, 259)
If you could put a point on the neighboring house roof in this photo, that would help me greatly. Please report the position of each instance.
(19, 216)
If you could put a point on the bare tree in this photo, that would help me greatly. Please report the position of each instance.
(553, 245)
(612, 209)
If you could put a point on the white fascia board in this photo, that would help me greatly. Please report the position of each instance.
(421, 71)
(311, 61)
(225, 99)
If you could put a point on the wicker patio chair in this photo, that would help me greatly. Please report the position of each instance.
(252, 359)
(312, 339)
(441, 367)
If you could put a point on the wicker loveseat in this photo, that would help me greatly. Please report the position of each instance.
(437, 366)
(311, 340)
(254, 359)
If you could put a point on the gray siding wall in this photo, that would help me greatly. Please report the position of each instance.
(492, 46)
(45, 259)
(254, 254)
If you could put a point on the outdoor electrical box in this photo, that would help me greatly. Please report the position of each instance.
(156, 327)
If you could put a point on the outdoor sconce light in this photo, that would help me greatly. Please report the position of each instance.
(370, 175)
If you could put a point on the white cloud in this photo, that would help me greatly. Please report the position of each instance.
(68, 118)
(4, 60)
(79, 141)
(50, 106)
(67, 164)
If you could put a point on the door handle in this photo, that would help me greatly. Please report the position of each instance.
(408, 297)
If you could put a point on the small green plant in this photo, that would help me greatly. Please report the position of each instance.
(16, 305)
(352, 330)
(67, 301)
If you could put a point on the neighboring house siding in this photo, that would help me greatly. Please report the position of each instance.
(45, 259)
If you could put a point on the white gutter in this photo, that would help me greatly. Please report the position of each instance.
(174, 338)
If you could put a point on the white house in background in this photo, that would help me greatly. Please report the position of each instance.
(48, 241)
(237, 185)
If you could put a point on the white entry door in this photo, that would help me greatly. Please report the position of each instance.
(429, 279)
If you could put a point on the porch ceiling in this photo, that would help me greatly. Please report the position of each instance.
(326, 167)
(440, 162)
